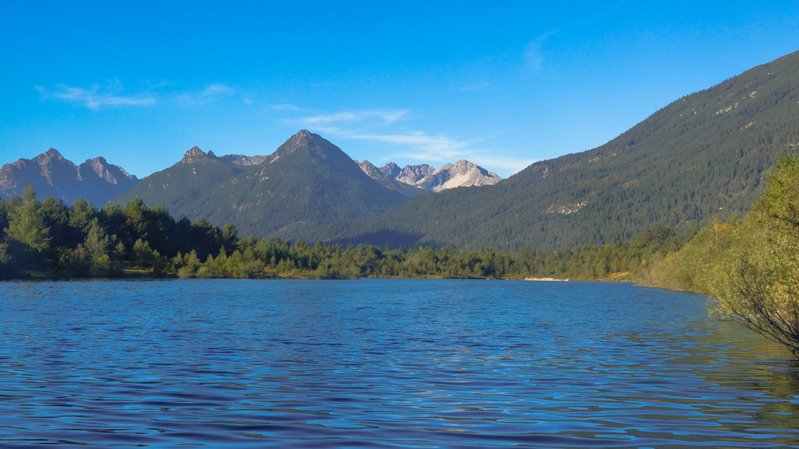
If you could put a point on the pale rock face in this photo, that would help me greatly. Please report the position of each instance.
(465, 174)
(415, 174)
(242, 160)
(369, 168)
(109, 173)
(195, 154)
(52, 164)
(449, 176)
(50, 174)
(391, 170)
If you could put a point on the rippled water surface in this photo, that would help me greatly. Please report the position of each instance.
(383, 363)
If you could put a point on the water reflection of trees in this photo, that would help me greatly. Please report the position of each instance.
(744, 361)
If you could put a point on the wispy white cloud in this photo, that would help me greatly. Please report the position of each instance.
(534, 54)
(112, 94)
(438, 148)
(216, 89)
(383, 116)
(509, 165)
(207, 93)
(96, 97)
(385, 126)
(433, 147)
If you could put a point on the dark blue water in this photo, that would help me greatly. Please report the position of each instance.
(383, 363)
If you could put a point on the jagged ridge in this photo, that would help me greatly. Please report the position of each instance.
(449, 176)
(52, 175)
(306, 183)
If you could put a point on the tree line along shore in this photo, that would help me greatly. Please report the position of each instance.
(48, 239)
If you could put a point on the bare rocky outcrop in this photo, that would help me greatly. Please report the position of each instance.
(449, 176)
(51, 174)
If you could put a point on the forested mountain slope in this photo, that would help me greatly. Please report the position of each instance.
(183, 187)
(702, 155)
(308, 182)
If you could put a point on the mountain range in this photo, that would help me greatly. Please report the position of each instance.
(449, 176)
(701, 156)
(307, 183)
(51, 175)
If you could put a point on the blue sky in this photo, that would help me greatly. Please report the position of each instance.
(500, 83)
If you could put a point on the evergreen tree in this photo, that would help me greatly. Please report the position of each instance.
(6, 269)
(26, 225)
(98, 246)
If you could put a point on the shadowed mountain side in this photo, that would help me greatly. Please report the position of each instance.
(385, 239)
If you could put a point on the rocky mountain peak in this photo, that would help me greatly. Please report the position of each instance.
(104, 170)
(195, 154)
(368, 168)
(54, 154)
(314, 145)
(301, 138)
(305, 134)
(463, 164)
(51, 174)
(98, 164)
(458, 174)
(412, 174)
(50, 155)
(391, 170)
(100, 167)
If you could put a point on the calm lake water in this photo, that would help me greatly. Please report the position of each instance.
(383, 363)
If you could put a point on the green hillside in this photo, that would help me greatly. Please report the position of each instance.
(183, 187)
(307, 183)
(703, 155)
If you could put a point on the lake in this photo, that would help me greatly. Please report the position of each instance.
(383, 363)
